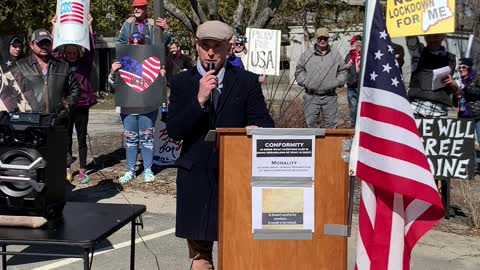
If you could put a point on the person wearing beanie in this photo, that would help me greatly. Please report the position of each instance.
(210, 95)
(15, 53)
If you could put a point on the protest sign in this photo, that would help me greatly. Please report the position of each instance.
(166, 150)
(449, 146)
(139, 84)
(263, 51)
(71, 26)
(420, 17)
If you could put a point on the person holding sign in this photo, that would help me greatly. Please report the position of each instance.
(140, 23)
(138, 127)
(210, 95)
(427, 101)
(320, 71)
(81, 64)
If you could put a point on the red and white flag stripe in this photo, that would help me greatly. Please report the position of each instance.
(76, 15)
(399, 201)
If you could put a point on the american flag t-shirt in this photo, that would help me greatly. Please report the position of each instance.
(400, 201)
(72, 12)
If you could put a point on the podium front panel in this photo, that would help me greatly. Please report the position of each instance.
(237, 248)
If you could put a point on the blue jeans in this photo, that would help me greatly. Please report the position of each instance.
(352, 94)
(139, 128)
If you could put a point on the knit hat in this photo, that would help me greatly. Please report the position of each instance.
(466, 61)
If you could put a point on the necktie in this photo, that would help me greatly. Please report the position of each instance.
(215, 97)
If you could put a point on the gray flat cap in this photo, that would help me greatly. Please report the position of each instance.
(215, 30)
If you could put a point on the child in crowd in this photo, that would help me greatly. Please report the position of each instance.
(81, 63)
(138, 128)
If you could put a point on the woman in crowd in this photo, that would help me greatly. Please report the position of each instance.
(15, 53)
(469, 97)
(81, 63)
(138, 128)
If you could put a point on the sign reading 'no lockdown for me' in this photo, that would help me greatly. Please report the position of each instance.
(420, 17)
(449, 146)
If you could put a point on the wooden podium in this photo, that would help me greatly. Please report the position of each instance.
(237, 249)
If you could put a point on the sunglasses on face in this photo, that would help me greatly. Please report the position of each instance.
(322, 39)
(44, 43)
(462, 67)
(238, 44)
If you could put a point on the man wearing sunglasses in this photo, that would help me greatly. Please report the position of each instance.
(47, 85)
(320, 71)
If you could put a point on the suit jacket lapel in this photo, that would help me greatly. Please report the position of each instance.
(195, 80)
(228, 83)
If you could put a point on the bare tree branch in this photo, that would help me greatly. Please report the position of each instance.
(177, 13)
(237, 16)
(195, 18)
(266, 15)
(212, 9)
(197, 9)
(253, 12)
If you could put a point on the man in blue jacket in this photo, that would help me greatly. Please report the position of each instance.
(210, 95)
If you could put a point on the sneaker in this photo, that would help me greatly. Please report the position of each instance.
(69, 176)
(127, 177)
(148, 176)
(84, 177)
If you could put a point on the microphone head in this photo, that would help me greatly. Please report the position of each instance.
(210, 66)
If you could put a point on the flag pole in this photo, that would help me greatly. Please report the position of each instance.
(369, 8)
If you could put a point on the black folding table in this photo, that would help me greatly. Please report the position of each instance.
(83, 225)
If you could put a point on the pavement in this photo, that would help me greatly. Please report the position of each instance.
(437, 250)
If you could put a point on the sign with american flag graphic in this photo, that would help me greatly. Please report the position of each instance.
(71, 26)
(72, 12)
(140, 84)
(399, 200)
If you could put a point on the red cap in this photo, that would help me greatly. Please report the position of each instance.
(355, 38)
(139, 3)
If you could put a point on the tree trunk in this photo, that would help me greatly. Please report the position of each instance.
(237, 17)
(197, 9)
(266, 15)
(177, 13)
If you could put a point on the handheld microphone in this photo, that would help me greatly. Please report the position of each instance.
(211, 66)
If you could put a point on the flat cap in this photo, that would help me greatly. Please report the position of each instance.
(215, 30)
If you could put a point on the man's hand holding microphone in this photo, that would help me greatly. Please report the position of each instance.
(207, 84)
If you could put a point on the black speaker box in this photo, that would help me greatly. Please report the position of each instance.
(33, 150)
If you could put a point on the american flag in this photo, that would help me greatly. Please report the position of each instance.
(399, 200)
(139, 76)
(72, 12)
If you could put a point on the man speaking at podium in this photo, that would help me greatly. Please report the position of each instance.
(210, 95)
